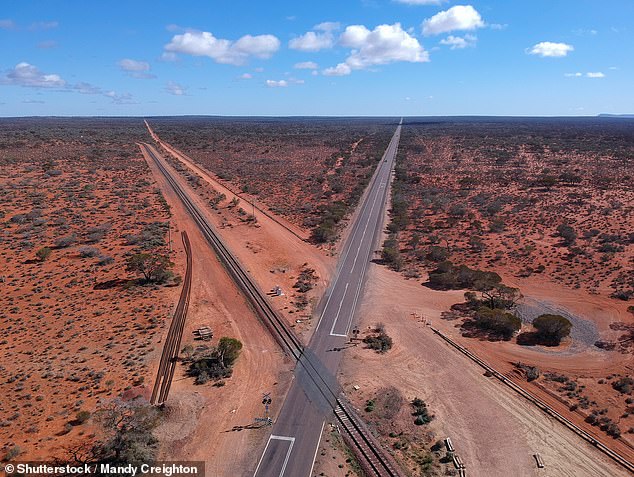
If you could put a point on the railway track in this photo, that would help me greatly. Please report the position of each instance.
(615, 456)
(171, 348)
(366, 447)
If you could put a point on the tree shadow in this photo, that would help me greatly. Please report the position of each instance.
(470, 329)
(115, 283)
(532, 338)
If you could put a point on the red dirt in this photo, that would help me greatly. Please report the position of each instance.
(68, 342)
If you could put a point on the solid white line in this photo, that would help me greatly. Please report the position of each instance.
(263, 453)
(282, 438)
(317, 449)
(288, 454)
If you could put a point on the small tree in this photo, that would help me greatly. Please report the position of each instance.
(228, 350)
(153, 266)
(43, 254)
(552, 328)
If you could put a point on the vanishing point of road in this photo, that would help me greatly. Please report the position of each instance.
(294, 442)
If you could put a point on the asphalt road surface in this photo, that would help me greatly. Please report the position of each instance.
(293, 444)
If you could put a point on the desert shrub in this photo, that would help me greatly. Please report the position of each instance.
(87, 252)
(82, 416)
(612, 429)
(391, 254)
(95, 234)
(67, 241)
(306, 280)
(380, 342)
(551, 329)
(567, 233)
(437, 253)
(43, 254)
(497, 321)
(624, 385)
(331, 216)
(105, 261)
(531, 372)
(12, 453)
(214, 363)
(151, 237)
(421, 412)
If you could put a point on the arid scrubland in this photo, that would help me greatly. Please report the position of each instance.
(76, 201)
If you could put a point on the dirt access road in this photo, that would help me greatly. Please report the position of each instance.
(494, 430)
(274, 251)
(205, 422)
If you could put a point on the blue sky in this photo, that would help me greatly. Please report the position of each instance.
(353, 57)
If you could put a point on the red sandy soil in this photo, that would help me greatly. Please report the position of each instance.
(493, 429)
(68, 344)
(294, 167)
(495, 194)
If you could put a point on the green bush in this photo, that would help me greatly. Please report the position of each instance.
(551, 329)
(498, 321)
(214, 363)
(43, 254)
(380, 342)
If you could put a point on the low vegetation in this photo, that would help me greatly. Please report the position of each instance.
(379, 340)
(213, 363)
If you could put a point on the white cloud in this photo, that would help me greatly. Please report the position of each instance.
(327, 26)
(589, 74)
(458, 42)
(548, 49)
(341, 69)
(421, 2)
(246, 76)
(175, 88)
(321, 38)
(120, 98)
(7, 24)
(133, 65)
(136, 69)
(385, 44)
(25, 74)
(203, 43)
(277, 84)
(312, 41)
(306, 65)
(459, 17)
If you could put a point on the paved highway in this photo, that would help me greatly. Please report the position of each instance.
(294, 442)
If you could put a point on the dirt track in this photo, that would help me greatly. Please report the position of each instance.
(202, 418)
